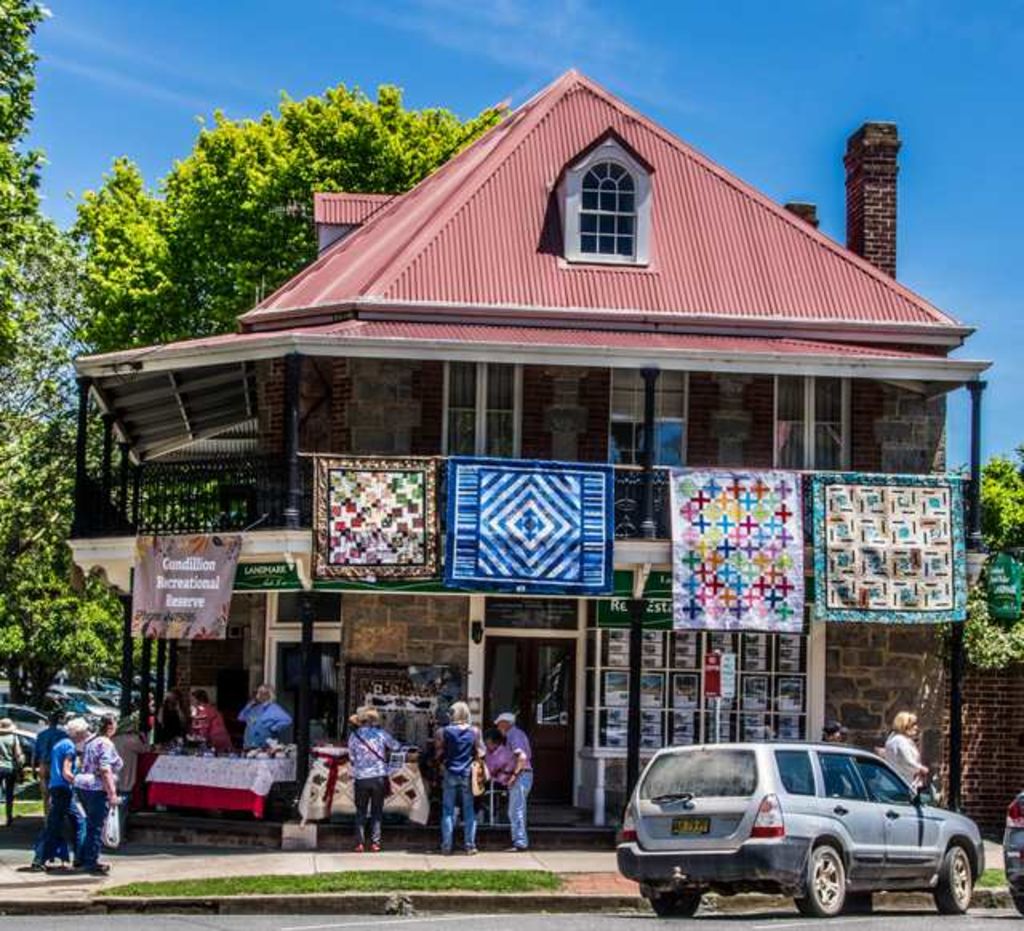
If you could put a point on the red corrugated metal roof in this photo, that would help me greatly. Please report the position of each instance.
(347, 209)
(480, 231)
(354, 331)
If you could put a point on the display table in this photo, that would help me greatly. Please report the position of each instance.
(216, 783)
(329, 789)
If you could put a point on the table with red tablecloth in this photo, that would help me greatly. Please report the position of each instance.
(215, 783)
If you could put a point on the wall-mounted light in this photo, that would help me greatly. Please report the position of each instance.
(476, 631)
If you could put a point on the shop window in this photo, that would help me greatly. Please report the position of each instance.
(812, 422)
(626, 430)
(482, 409)
(771, 690)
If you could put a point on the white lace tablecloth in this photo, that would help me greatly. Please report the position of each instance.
(256, 776)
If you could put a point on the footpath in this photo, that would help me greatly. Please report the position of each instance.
(589, 880)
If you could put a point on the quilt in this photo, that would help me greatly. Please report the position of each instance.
(889, 548)
(375, 518)
(737, 550)
(530, 527)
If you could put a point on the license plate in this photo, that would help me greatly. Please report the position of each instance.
(691, 825)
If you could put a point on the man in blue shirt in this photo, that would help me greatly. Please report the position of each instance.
(264, 719)
(45, 741)
(63, 764)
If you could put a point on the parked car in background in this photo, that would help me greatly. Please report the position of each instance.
(826, 824)
(79, 701)
(25, 719)
(1013, 851)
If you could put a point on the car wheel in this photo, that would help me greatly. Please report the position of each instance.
(675, 904)
(859, 903)
(1018, 901)
(825, 885)
(956, 883)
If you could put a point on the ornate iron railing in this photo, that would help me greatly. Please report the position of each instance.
(233, 494)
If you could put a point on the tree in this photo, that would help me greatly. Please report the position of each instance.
(232, 221)
(1002, 502)
(19, 170)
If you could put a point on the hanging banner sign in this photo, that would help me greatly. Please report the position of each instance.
(1004, 588)
(182, 586)
(614, 612)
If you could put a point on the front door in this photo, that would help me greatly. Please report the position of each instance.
(534, 677)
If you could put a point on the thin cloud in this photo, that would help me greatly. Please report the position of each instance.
(127, 83)
(539, 38)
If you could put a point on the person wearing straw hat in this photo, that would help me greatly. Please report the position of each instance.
(12, 759)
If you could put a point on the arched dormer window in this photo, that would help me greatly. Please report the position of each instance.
(606, 207)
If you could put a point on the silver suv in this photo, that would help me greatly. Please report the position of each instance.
(826, 824)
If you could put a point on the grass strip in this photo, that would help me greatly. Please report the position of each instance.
(497, 881)
(991, 879)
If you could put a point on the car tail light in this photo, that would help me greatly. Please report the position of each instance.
(1015, 814)
(627, 833)
(769, 821)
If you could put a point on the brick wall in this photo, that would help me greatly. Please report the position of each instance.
(428, 387)
(730, 421)
(565, 413)
(871, 171)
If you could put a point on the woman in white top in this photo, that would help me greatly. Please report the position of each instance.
(901, 751)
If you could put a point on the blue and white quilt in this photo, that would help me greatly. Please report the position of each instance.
(530, 527)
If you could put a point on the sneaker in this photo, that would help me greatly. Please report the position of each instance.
(359, 848)
(471, 851)
(516, 849)
(99, 869)
(374, 848)
(36, 867)
(445, 852)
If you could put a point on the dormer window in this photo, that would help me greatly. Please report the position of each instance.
(608, 211)
(606, 207)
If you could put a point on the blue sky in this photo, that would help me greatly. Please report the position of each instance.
(770, 90)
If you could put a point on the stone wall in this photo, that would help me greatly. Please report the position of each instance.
(405, 629)
(895, 430)
(565, 413)
(730, 420)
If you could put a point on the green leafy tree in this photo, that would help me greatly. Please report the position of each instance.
(19, 169)
(1002, 502)
(232, 221)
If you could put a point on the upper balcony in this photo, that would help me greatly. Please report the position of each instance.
(233, 494)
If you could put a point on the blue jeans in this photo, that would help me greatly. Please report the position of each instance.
(51, 844)
(457, 787)
(96, 808)
(518, 792)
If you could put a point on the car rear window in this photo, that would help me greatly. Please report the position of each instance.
(702, 774)
(796, 771)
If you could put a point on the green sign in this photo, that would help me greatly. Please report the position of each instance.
(614, 611)
(266, 576)
(1004, 588)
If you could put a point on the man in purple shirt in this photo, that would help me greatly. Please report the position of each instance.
(521, 780)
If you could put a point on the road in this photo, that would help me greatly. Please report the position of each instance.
(995, 920)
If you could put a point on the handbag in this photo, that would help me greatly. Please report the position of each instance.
(478, 776)
(387, 779)
(111, 835)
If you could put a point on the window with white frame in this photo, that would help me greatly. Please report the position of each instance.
(606, 204)
(812, 422)
(626, 430)
(482, 409)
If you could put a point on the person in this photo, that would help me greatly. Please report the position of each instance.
(97, 788)
(521, 781)
(12, 759)
(368, 748)
(51, 843)
(834, 733)
(264, 719)
(45, 741)
(901, 751)
(207, 723)
(170, 723)
(459, 743)
(129, 744)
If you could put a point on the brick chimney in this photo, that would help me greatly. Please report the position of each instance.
(807, 212)
(871, 194)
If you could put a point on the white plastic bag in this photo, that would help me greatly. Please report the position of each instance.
(111, 836)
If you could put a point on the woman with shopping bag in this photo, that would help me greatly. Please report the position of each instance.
(97, 788)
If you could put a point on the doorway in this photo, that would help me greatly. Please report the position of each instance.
(534, 677)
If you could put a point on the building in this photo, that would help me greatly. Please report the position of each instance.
(506, 306)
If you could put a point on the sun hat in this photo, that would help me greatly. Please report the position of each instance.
(506, 717)
(6, 726)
